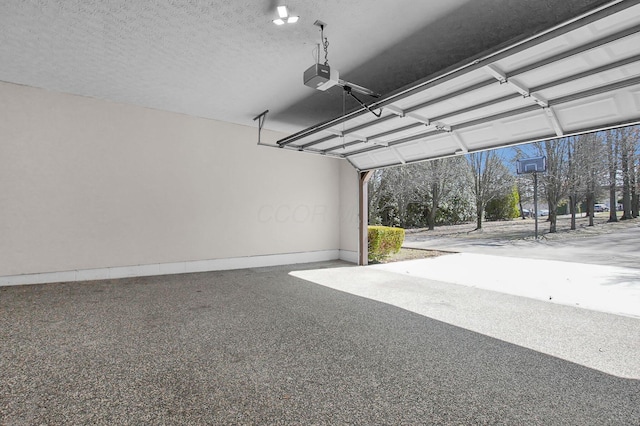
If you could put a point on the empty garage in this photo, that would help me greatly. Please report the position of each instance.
(181, 215)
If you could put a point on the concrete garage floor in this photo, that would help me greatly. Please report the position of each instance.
(265, 346)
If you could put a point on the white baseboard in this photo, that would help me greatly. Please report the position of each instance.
(349, 256)
(176, 267)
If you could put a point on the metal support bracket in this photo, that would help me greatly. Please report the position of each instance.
(502, 77)
(334, 132)
(360, 138)
(554, 121)
(463, 147)
(441, 127)
(394, 109)
(261, 118)
(418, 118)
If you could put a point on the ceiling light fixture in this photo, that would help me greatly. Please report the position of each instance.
(284, 17)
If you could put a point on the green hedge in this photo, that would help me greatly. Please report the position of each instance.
(383, 241)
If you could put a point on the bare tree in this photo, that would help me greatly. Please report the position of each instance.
(439, 178)
(627, 139)
(635, 196)
(626, 157)
(577, 167)
(634, 142)
(392, 191)
(622, 147)
(376, 192)
(575, 184)
(612, 144)
(491, 179)
(555, 182)
(587, 153)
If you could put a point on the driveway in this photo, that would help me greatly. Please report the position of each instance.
(595, 267)
(573, 295)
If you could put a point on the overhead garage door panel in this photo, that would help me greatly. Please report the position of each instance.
(578, 77)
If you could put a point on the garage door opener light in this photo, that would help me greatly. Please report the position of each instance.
(284, 17)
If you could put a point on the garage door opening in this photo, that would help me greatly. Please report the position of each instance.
(592, 181)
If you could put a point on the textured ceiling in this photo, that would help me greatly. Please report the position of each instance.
(226, 60)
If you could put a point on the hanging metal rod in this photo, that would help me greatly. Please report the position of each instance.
(261, 118)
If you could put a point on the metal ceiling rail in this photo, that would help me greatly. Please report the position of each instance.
(316, 142)
(411, 109)
(382, 119)
(343, 146)
(395, 142)
(578, 22)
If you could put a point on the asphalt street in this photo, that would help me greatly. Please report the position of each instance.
(613, 249)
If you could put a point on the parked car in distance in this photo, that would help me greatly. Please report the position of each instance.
(600, 208)
(530, 213)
